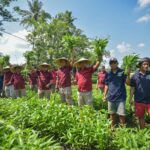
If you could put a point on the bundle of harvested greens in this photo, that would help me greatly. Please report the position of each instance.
(73, 43)
(130, 62)
(99, 46)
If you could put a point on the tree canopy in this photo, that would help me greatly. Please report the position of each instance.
(5, 14)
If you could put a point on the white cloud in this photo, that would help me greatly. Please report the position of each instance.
(123, 47)
(143, 3)
(143, 19)
(112, 53)
(141, 45)
(14, 47)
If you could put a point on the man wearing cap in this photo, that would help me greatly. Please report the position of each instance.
(7, 86)
(18, 81)
(44, 80)
(101, 79)
(115, 92)
(63, 82)
(84, 80)
(140, 88)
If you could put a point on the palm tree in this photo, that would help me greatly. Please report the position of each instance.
(33, 14)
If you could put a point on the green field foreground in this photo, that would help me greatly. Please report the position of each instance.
(33, 124)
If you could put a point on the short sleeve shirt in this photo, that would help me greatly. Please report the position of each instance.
(18, 81)
(141, 83)
(44, 78)
(101, 79)
(33, 78)
(116, 85)
(84, 79)
(64, 76)
(7, 77)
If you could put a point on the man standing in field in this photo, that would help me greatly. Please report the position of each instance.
(140, 88)
(63, 82)
(18, 81)
(115, 92)
(101, 79)
(44, 80)
(84, 81)
(7, 86)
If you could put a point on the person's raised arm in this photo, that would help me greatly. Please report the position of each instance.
(96, 65)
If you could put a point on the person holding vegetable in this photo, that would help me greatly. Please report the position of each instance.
(18, 81)
(140, 89)
(7, 86)
(63, 81)
(32, 77)
(101, 79)
(44, 81)
(83, 78)
(115, 91)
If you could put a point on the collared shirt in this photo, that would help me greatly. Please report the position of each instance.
(44, 78)
(33, 78)
(7, 77)
(141, 83)
(18, 81)
(101, 79)
(1, 81)
(84, 79)
(64, 76)
(116, 85)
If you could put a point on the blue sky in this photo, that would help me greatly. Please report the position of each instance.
(127, 22)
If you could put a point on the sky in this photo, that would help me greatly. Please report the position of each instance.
(126, 22)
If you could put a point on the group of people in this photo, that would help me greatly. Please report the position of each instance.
(111, 84)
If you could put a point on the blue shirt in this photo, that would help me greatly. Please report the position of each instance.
(1, 81)
(141, 83)
(116, 86)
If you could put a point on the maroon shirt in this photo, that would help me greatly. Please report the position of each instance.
(18, 81)
(7, 77)
(84, 79)
(44, 78)
(64, 76)
(33, 78)
(101, 79)
(54, 76)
